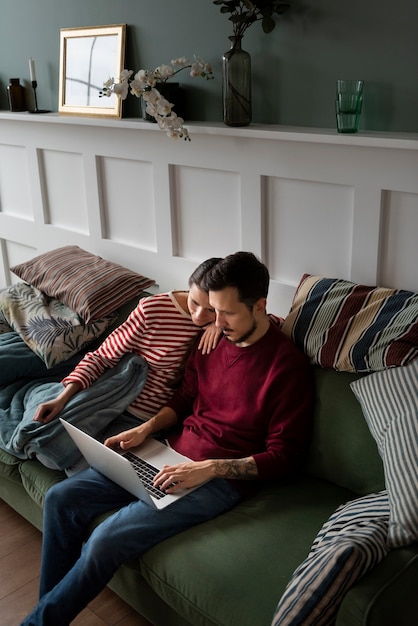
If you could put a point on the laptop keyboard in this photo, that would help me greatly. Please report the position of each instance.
(146, 473)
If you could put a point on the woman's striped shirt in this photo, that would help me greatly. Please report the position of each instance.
(160, 331)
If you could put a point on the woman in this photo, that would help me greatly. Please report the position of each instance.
(160, 330)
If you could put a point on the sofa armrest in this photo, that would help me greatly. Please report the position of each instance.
(386, 594)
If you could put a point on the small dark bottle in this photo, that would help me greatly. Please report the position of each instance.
(16, 95)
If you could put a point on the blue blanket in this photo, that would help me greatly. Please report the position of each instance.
(92, 409)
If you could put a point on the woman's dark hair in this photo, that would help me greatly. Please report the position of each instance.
(242, 270)
(201, 270)
(196, 278)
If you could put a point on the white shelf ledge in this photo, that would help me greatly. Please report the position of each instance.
(375, 139)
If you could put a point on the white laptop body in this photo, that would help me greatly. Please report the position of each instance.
(119, 469)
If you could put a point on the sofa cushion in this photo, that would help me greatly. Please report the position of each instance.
(350, 543)
(389, 401)
(37, 479)
(245, 557)
(354, 328)
(342, 449)
(9, 466)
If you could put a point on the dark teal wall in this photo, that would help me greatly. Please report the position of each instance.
(294, 67)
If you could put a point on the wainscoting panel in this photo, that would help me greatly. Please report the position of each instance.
(205, 207)
(399, 240)
(65, 204)
(15, 197)
(128, 205)
(309, 228)
(303, 200)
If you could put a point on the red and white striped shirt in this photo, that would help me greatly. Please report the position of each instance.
(160, 331)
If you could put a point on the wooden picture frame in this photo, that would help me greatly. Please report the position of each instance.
(88, 57)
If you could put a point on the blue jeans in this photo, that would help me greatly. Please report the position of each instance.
(73, 574)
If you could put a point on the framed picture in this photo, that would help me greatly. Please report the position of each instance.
(88, 57)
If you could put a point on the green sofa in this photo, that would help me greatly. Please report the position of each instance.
(232, 570)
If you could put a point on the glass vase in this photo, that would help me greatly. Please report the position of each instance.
(236, 85)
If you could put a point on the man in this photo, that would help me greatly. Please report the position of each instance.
(245, 413)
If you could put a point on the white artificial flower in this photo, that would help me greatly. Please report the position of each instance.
(195, 70)
(163, 106)
(180, 62)
(176, 121)
(151, 79)
(121, 89)
(145, 85)
(164, 71)
(206, 67)
(109, 83)
(151, 109)
(141, 76)
(137, 88)
(152, 96)
(125, 75)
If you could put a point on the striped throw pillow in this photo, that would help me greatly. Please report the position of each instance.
(351, 327)
(86, 283)
(389, 401)
(350, 543)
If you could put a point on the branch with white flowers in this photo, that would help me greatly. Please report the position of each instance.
(144, 85)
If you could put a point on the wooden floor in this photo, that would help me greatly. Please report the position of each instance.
(20, 553)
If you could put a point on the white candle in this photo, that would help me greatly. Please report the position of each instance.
(32, 69)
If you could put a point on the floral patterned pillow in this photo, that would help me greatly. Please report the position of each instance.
(52, 331)
(4, 326)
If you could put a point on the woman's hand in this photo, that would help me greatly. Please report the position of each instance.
(128, 438)
(48, 410)
(209, 339)
(183, 476)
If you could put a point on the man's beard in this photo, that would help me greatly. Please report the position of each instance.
(243, 337)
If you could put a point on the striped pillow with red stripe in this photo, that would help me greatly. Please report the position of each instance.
(349, 327)
(86, 283)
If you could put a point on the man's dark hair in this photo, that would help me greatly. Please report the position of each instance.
(201, 270)
(243, 271)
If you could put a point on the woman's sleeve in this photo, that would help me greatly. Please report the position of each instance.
(121, 341)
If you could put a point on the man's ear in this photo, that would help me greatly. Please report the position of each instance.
(260, 306)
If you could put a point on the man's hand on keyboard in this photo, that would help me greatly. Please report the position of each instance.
(183, 476)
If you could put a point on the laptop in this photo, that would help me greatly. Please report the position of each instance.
(132, 469)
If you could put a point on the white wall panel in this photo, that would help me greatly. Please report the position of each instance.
(64, 190)
(15, 197)
(308, 229)
(206, 213)
(128, 206)
(399, 240)
(16, 253)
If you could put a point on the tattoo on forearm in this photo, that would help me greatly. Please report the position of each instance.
(244, 469)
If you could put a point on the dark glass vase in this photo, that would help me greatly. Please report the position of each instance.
(174, 94)
(236, 85)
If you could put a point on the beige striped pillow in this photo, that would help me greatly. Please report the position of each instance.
(86, 283)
